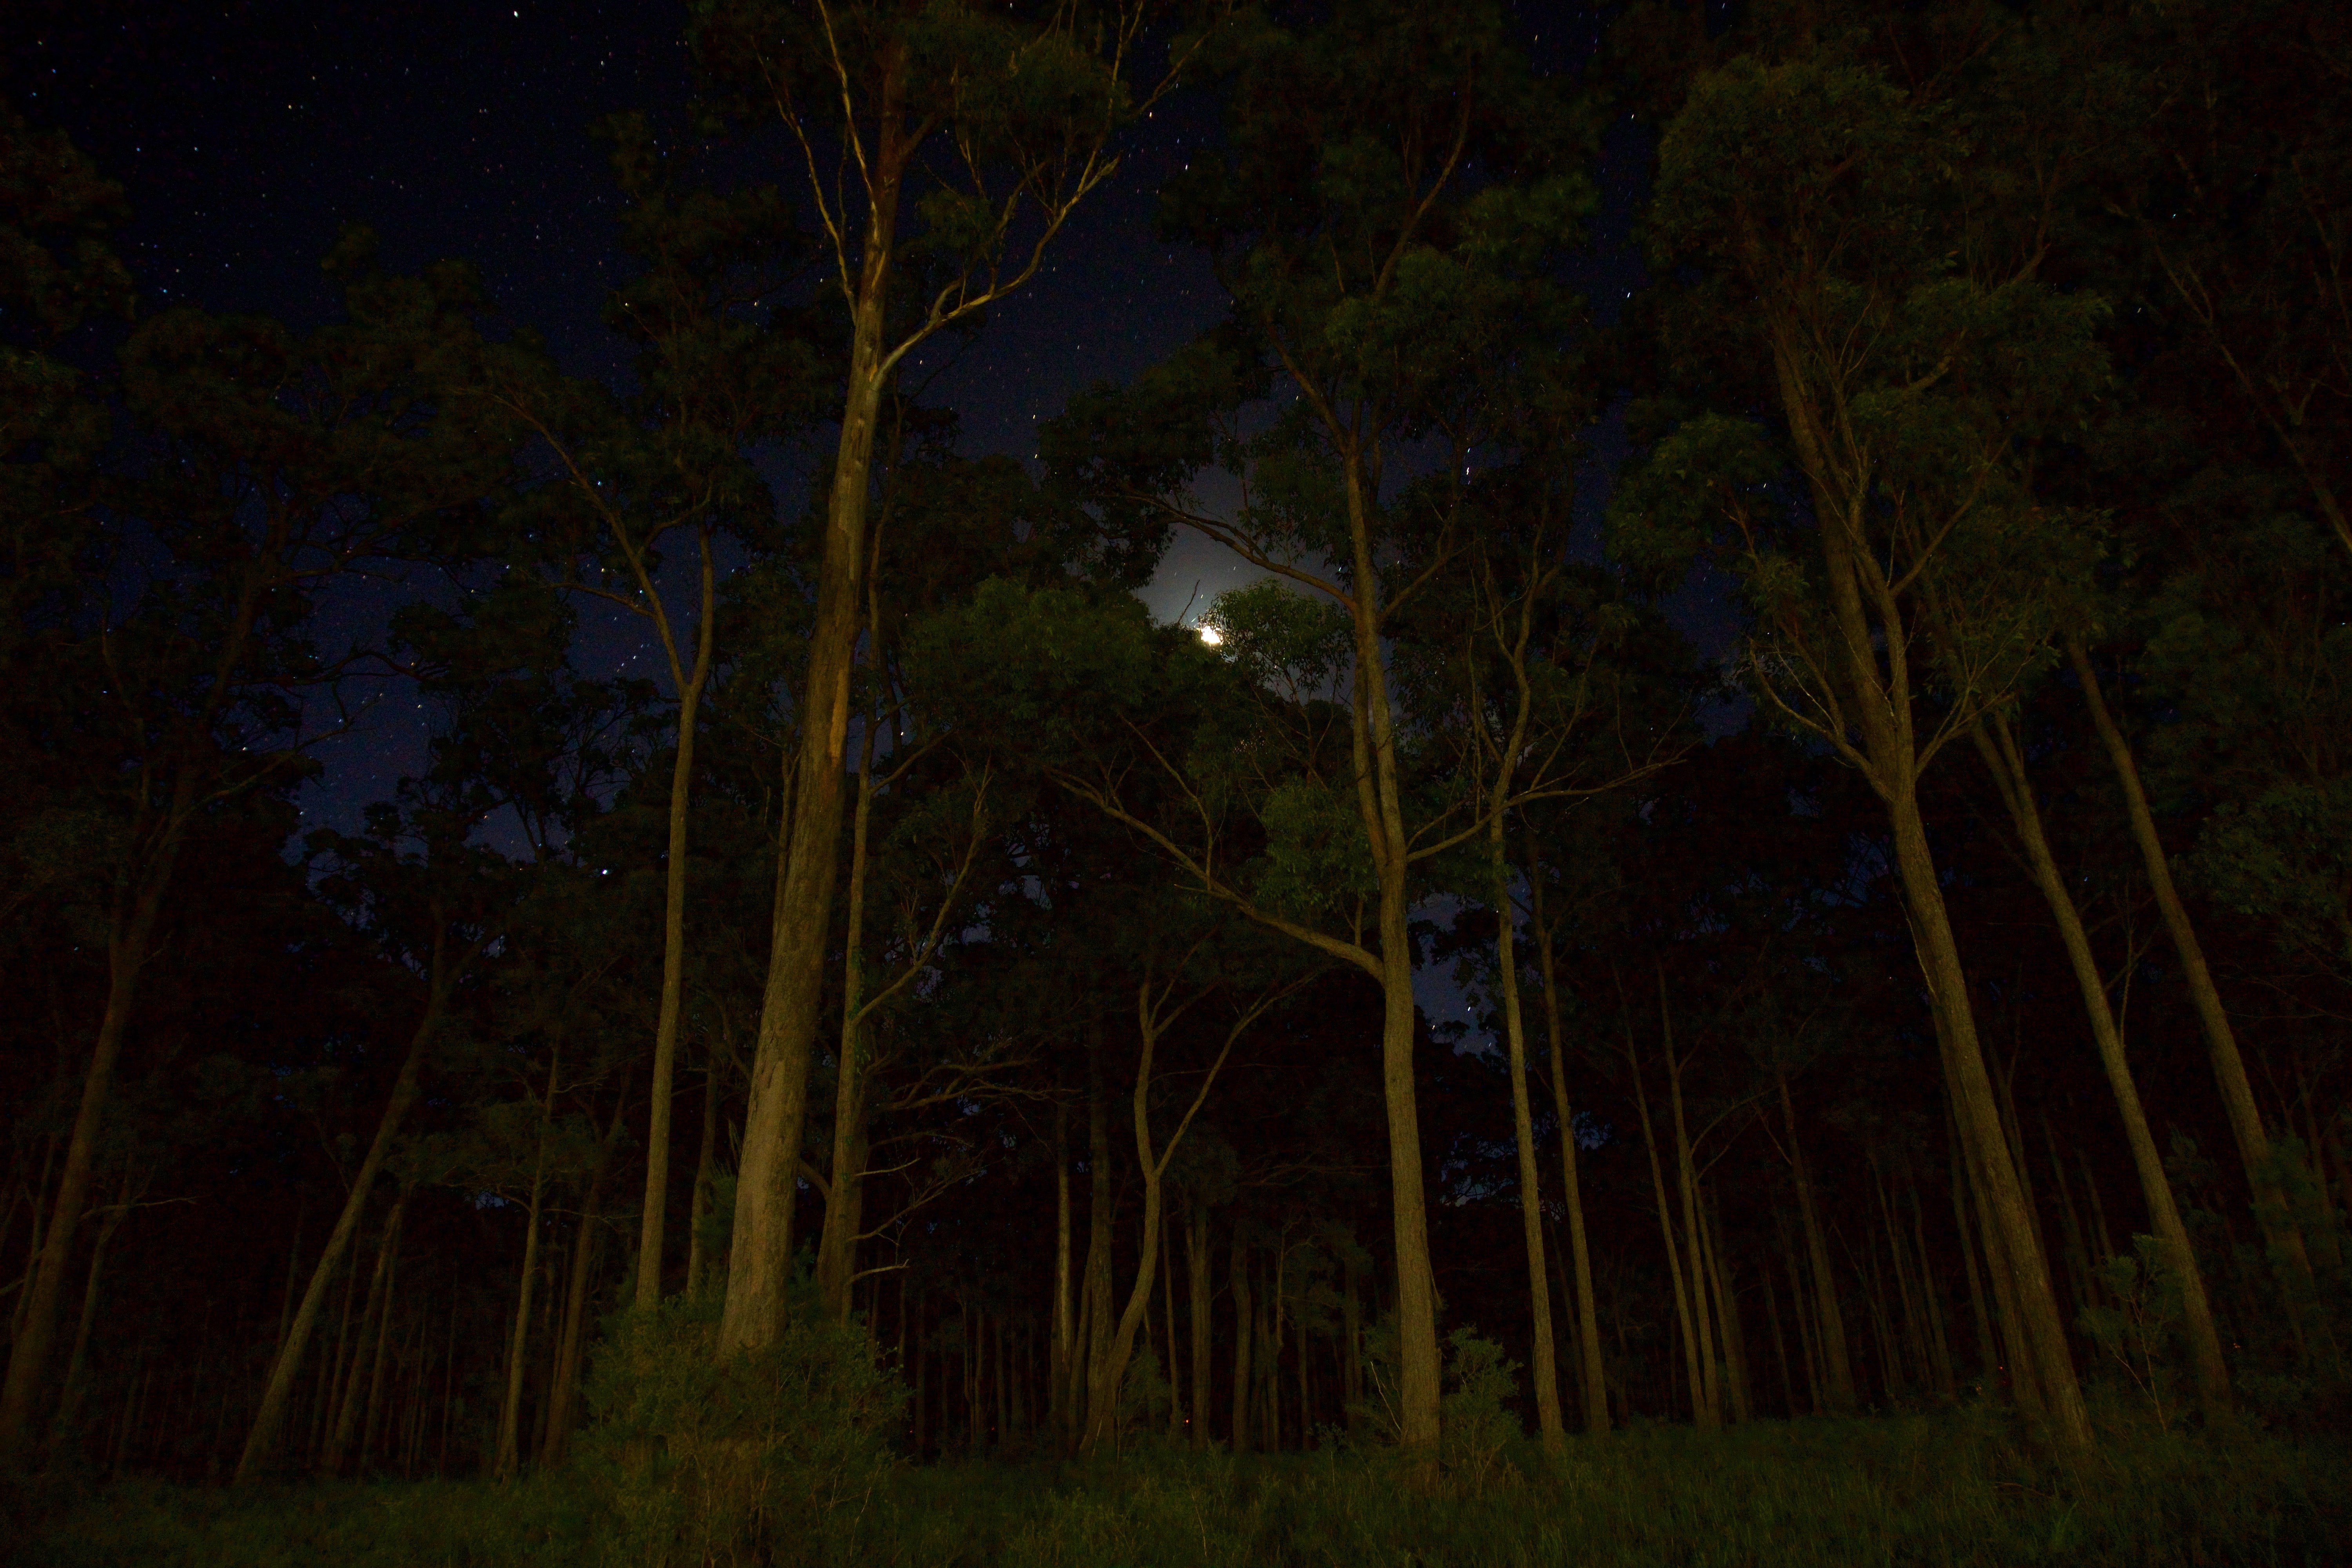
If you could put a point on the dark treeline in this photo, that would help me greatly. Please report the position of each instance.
(1926, 985)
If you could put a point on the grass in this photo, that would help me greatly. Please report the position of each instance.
(1956, 1487)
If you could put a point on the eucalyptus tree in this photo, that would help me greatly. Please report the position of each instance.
(1885, 530)
(1386, 306)
(269, 464)
(950, 144)
(722, 368)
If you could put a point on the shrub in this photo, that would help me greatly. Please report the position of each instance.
(770, 1457)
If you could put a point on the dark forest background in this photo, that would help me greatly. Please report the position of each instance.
(1841, 726)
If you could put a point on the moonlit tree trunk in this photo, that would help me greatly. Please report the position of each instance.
(1587, 1314)
(348, 1406)
(1837, 1365)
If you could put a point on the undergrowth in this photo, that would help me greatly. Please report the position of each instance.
(1955, 1487)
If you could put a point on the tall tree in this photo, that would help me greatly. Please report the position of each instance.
(992, 127)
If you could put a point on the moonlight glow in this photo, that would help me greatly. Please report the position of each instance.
(1212, 635)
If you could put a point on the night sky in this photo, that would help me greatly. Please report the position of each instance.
(246, 134)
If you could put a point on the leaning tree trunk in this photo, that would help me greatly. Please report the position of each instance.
(2253, 1140)
(262, 1441)
(1244, 1323)
(78, 1360)
(348, 1406)
(1196, 1271)
(2007, 763)
(845, 1210)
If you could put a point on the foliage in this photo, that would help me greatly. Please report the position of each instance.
(771, 1456)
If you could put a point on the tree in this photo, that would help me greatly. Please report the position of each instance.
(993, 128)
(1891, 616)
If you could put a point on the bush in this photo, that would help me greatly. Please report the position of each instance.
(772, 1456)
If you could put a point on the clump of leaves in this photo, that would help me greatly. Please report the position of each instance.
(2135, 1333)
(770, 1456)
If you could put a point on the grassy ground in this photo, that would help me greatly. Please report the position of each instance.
(1952, 1488)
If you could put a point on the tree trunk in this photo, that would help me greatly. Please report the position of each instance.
(2279, 1229)
(673, 983)
(1701, 1413)
(1710, 1388)
(1101, 1210)
(509, 1455)
(1837, 1365)
(382, 1355)
(1379, 806)
(78, 1360)
(697, 1259)
(1588, 1315)
(1064, 1351)
(844, 1209)
(263, 1439)
(28, 1358)
(2006, 761)
(1196, 1274)
(347, 1405)
(1245, 1325)
(1545, 1371)
(563, 1391)
(767, 1183)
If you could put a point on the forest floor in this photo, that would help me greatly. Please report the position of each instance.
(1946, 1488)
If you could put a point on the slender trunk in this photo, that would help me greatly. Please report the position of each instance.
(1175, 1372)
(2279, 1229)
(78, 1360)
(1352, 1344)
(1244, 1323)
(1988, 1361)
(1196, 1275)
(1708, 1387)
(1727, 1310)
(698, 1258)
(509, 1455)
(801, 934)
(1588, 1315)
(1063, 1349)
(348, 1406)
(672, 984)
(33, 1252)
(1816, 1400)
(1998, 745)
(262, 1441)
(1837, 1365)
(563, 1392)
(2017, 1349)
(1780, 1344)
(1546, 1373)
(1941, 1344)
(382, 1355)
(1101, 1210)
(1380, 803)
(28, 1358)
(836, 1247)
(1702, 1414)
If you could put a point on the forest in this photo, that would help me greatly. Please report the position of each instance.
(1734, 948)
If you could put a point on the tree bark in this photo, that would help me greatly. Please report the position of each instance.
(767, 1183)
(2002, 756)
(572, 1345)
(509, 1453)
(1196, 1272)
(698, 1258)
(348, 1405)
(2279, 1229)
(1837, 1363)
(78, 1359)
(1245, 1325)
(1703, 1414)
(1587, 1314)
(690, 684)
(263, 1439)
(1546, 1370)
(844, 1209)
(1709, 1373)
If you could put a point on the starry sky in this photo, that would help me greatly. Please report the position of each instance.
(245, 133)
